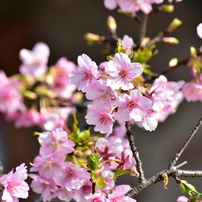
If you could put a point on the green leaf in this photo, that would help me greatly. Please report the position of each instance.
(94, 161)
(121, 172)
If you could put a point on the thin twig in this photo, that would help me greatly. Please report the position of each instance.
(186, 143)
(143, 28)
(135, 152)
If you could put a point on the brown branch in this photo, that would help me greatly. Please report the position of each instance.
(135, 152)
(158, 177)
(143, 28)
(186, 143)
(172, 170)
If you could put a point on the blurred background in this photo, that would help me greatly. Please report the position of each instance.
(61, 24)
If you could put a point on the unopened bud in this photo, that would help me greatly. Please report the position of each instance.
(167, 8)
(174, 25)
(172, 40)
(173, 62)
(111, 23)
(193, 51)
(92, 38)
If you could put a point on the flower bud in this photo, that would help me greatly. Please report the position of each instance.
(111, 23)
(174, 25)
(172, 40)
(173, 62)
(167, 8)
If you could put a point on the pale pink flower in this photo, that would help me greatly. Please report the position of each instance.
(72, 177)
(166, 96)
(133, 106)
(108, 150)
(48, 166)
(110, 4)
(85, 190)
(119, 194)
(65, 65)
(101, 118)
(86, 74)
(101, 94)
(199, 30)
(121, 71)
(63, 194)
(43, 186)
(137, 5)
(55, 141)
(14, 185)
(149, 122)
(34, 62)
(58, 78)
(10, 100)
(97, 197)
(27, 118)
(192, 91)
(182, 199)
(126, 160)
(127, 43)
(55, 117)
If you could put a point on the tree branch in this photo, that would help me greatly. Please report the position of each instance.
(135, 152)
(172, 170)
(179, 153)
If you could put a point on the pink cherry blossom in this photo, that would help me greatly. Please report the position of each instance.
(49, 166)
(97, 197)
(192, 91)
(58, 79)
(55, 141)
(85, 190)
(126, 160)
(27, 118)
(101, 118)
(110, 4)
(86, 74)
(119, 194)
(34, 62)
(43, 186)
(133, 106)
(72, 177)
(10, 100)
(54, 117)
(108, 150)
(199, 30)
(14, 185)
(127, 43)
(101, 94)
(149, 122)
(182, 199)
(121, 71)
(166, 96)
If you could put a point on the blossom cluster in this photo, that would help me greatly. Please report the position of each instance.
(28, 98)
(60, 178)
(13, 184)
(117, 94)
(133, 5)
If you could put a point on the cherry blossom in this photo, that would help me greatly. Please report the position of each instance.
(192, 91)
(101, 118)
(14, 185)
(34, 62)
(108, 150)
(55, 141)
(86, 74)
(133, 106)
(199, 30)
(119, 194)
(101, 94)
(121, 71)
